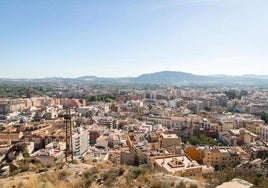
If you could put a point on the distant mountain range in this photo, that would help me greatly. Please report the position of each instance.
(174, 77)
(164, 77)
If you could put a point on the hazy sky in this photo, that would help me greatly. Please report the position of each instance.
(129, 37)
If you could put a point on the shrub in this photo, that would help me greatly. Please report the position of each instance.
(258, 180)
(181, 185)
(62, 175)
(138, 171)
(121, 171)
(90, 172)
(193, 186)
(85, 183)
(26, 155)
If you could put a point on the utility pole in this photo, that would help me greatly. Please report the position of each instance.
(68, 135)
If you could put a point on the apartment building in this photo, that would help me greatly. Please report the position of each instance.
(165, 121)
(170, 142)
(93, 135)
(195, 153)
(106, 121)
(10, 106)
(218, 157)
(11, 137)
(263, 133)
(250, 137)
(253, 125)
(80, 141)
(51, 113)
(221, 157)
(122, 155)
(56, 136)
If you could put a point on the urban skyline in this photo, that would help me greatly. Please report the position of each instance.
(144, 93)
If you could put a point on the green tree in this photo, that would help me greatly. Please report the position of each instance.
(264, 117)
(202, 140)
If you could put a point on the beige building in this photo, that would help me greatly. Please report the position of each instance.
(254, 125)
(160, 120)
(250, 137)
(126, 156)
(264, 132)
(181, 165)
(221, 157)
(10, 137)
(170, 142)
(10, 106)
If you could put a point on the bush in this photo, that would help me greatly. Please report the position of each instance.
(258, 180)
(62, 175)
(121, 171)
(181, 185)
(158, 184)
(193, 186)
(85, 184)
(91, 172)
(24, 168)
(264, 117)
(138, 171)
(26, 155)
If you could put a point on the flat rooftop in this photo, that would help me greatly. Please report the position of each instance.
(169, 135)
(175, 164)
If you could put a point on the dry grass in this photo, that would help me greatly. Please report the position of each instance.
(45, 180)
(31, 182)
(102, 174)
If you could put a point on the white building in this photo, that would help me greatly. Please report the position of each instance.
(80, 141)
(264, 132)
